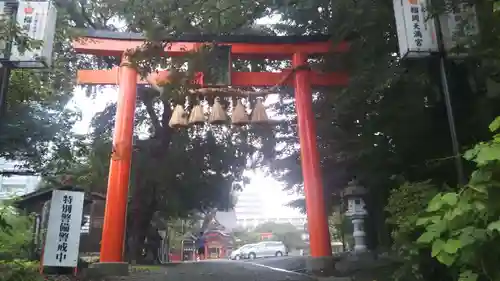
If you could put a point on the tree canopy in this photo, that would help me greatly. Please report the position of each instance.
(285, 232)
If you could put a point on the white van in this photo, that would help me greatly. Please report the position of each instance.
(265, 249)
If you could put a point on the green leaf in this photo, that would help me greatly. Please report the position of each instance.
(480, 234)
(445, 258)
(435, 204)
(480, 206)
(494, 226)
(480, 188)
(426, 220)
(496, 8)
(427, 237)
(495, 125)
(487, 153)
(437, 246)
(480, 176)
(450, 198)
(471, 153)
(466, 239)
(452, 246)
(496, 138)
(422, 221)
(454, 213)
(467, 256)
(436, 228)
(468, 276)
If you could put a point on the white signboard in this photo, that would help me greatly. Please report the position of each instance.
(416, 32)
(63, 233)
(37, 20)
(458, 27)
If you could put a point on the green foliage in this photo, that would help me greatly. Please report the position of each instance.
(285, 232)
(341, 229)
(9, 29)
(4, 225)
(19, 270)
(177, 228)
(244, 236)
(16, 239)
(405, 204)
(35, 123)
(462, 228)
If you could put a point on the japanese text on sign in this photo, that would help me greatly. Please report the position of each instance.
(30, 21)
(64, 229)
(417, 31)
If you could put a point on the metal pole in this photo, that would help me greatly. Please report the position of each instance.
(10, 9)
(4, 85)
(447, 98)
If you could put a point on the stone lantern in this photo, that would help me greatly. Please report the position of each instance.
(354, 194)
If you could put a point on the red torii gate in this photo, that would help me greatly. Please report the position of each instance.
(298, 48)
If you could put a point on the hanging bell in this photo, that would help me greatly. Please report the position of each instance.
(239, 116)
(197, 117)
(259, 115)
(178, 118)
(218, 115)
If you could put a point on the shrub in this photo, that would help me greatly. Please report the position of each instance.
(463, 228)
(19, 270)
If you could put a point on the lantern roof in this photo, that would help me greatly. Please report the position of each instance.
(355, 189)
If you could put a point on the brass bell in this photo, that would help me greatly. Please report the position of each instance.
(178, 118)
(218, 115)
(259, 115)
(197, 117)
(239, 116)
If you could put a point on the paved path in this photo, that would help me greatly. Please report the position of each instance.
(220, 270)
(291, 263)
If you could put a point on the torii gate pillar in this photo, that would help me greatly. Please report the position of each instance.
(317, 220)
(115, 213)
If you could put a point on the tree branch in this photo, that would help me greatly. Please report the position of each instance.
(86, 17)
(67, 5)
(167, 114)
(154, 84)
(147, 97)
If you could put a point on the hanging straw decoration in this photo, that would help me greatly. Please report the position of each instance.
(197, 117)
(218, 115)
(259, 115)
(178, 119)
(239, 116)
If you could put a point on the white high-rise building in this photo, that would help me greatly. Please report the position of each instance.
(15, 185)
(263, 200)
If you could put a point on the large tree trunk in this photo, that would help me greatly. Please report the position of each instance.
(144, 203)
(142, 209)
